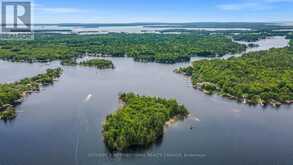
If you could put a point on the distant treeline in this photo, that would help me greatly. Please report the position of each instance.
(162, 48)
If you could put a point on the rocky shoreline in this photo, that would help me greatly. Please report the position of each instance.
(243, 100)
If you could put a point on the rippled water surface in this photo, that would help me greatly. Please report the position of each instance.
(62, 124)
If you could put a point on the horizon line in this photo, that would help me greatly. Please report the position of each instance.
(166, 22)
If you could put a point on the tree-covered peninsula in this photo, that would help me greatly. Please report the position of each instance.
(263, 77)
(140, 121)
(12, 94)
(161, 48)
(251, 36)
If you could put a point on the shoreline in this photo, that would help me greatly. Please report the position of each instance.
(141, 121)
(175, 119)
(243, 100)
(26, 86)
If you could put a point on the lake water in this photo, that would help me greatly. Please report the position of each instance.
(62, 124)
(264, 44)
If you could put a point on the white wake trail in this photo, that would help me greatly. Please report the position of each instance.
(88, 98)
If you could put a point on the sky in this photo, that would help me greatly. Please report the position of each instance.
(125, 11)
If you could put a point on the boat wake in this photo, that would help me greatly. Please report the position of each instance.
(88, 98)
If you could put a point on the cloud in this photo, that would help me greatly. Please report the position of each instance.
(244, 6)
(61, 10)
(276, 1)
(60, 14)
(252, 5)
(56, 10)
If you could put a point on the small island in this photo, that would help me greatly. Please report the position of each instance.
(12, 94)
(263, 78)
(140, 121)
(252, 45)
(98, 63)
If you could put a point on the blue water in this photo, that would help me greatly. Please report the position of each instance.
(62, 123)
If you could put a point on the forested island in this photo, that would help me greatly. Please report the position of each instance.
(140, 121)
(161, 48)
(12, 94)
(263, 77)
(98, 63)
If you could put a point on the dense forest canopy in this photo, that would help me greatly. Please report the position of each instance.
(162, 48)
(11, 94)
(259, 78)
(140, 122)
